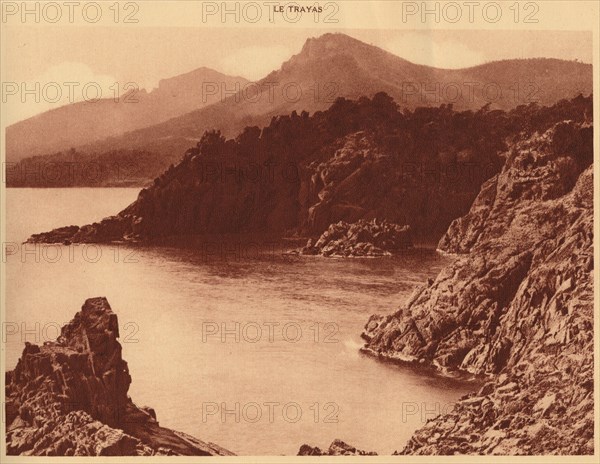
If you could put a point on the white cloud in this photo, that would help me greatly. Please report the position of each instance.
(423, 48)
(254, 62)
(59, 85)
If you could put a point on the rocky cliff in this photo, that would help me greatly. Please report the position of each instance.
(69, 398)
(359, 160)
(516, 305)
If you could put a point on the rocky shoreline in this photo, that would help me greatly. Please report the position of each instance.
(516, 305)
(69, 398)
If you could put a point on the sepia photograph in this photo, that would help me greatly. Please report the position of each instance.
(287, 231)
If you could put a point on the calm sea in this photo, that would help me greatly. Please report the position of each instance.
(247, 348)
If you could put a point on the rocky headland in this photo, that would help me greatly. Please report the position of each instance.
(363, 238)
(69, 398)
(516, 306)
(358, 160)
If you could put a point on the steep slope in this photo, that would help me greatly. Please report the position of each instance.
(516, 304)
(358, 160)
(336, 65)
(88, 121)
(69, 397)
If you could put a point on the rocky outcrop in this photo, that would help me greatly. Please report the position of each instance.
(69, 398)
(516, 305)
(110, 229)
(362, 238)
(337, 448)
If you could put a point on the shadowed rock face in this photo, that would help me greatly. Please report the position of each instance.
(69, 397)
(516, 304)
(359, 160)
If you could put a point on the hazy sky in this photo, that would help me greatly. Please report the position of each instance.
(145, 55)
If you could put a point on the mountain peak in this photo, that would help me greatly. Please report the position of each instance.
(334, 38)
(196, 77)
(333, 43)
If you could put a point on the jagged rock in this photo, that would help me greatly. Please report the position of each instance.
(337, 448)
(362, 238)
(515, 305)
(307, 450)
(69, 397)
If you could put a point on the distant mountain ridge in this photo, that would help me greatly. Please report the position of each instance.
(336, 65)
(332, 66)
(88, 121)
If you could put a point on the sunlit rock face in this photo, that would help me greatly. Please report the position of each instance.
(516, 305)
(69, 397)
